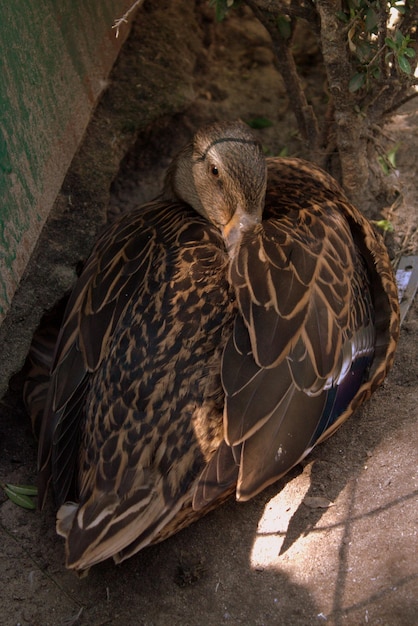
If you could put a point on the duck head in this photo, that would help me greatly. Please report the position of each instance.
(222, 174)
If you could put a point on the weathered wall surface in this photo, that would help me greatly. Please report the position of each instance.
(54, 59)
(151, 80)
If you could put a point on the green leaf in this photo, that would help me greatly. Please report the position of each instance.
(375, 72)
(342, 16)
(23, 490)
(409, 52)
(404, 65)
(259, 122)
(371, 20)
(21, 500)
(384, 165)
(392, 155)
(399, 39)
(356, 82)
(385, 225)
(365, 51)
(221, 8)
(390, 43)
(284, 26)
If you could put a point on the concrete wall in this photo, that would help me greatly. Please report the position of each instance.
(54, 60)
(150, 82)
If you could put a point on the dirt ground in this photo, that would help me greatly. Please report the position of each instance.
(336, 541)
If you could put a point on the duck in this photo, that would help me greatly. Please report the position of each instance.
(215, 336)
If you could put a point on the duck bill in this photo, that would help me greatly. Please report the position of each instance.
(240, 222)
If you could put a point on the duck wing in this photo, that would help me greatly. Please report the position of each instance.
(135, 405)
(109, 279)
(318, 324)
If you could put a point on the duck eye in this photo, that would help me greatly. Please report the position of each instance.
(214, 170)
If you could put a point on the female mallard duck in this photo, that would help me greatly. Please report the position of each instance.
(213, 338)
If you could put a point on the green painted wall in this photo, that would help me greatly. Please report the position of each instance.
(54, 59)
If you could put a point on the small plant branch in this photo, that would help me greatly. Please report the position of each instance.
(305, 116)
(378, 97)
(304, 10)
(400, 103)
(383, 31)
(124, 19)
